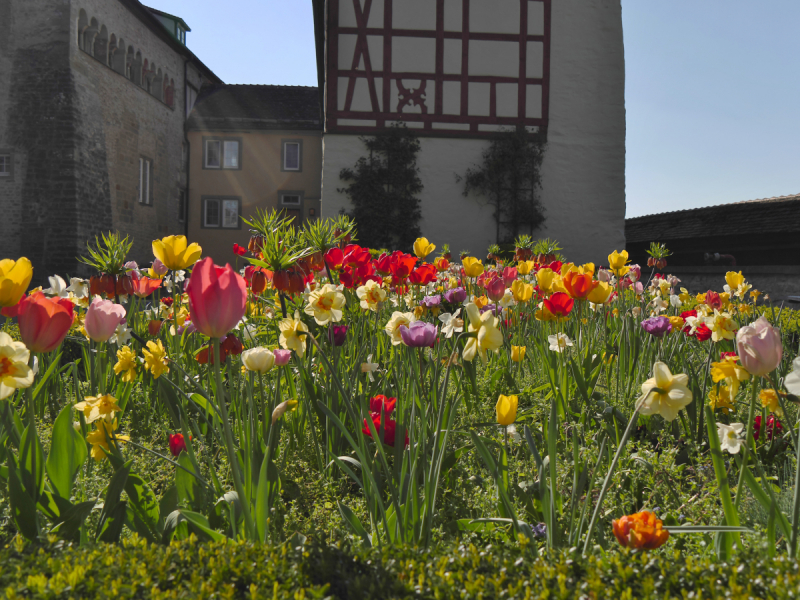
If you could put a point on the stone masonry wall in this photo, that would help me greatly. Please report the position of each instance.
(119, 122)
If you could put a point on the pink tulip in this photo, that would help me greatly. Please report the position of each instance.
(759, 347)
(282, 357)
(496, 289)
(102, 319)
(509, 275)
(217, 298)
(159, 268)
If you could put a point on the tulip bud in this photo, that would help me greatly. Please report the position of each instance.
(102, 319)
(282, 357)
(759, 347)
(258, 359)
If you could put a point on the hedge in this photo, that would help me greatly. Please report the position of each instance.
(189, 569)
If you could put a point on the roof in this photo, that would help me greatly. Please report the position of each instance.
(148, 18)
(238, 107)
(780, 214)
(169, 16)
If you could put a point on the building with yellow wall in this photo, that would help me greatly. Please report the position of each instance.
(251, 147)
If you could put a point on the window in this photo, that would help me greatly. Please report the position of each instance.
(222, 154)
(221, 213)
(5, 166)
(292, 200)
(145, 181)
(292, 155)
(182, 206)
(191, 98)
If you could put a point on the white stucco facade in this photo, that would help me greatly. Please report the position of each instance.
(583, 172)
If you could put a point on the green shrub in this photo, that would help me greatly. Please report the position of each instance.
(237, 570)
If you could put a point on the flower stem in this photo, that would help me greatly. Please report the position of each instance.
(748, 436)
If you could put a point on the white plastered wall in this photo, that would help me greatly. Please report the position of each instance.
(583, 173)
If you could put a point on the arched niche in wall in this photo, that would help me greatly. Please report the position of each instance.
(169, 92)
(137, 68)
(88, 36)
(100, 51)
(83, 25)
(157, 86)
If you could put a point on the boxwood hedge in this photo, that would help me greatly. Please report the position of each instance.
(190, 569)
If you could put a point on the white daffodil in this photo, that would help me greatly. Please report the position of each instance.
(675, 301)
(79, 287)
(369, 367)
(792, 381)
(121, 336)
(664, 394)
(636, 311)
(729, 439)
(559, 342)
(58, 287)
(14, 370)
(451, 323)
(507, 300)
(659, 304)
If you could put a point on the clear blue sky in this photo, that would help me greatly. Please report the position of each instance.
(712, 87)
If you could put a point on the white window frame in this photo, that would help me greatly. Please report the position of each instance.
(299, 145)
(221, 202)
(145, 181)
(222, 143)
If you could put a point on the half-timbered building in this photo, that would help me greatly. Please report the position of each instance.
(458, 72)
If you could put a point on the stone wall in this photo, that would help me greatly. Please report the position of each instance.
(779, 282)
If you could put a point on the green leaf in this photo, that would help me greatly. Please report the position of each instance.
(31, 463)
(143, 502)
(67, 454)
(72, 519)
(269, 485)
(196, 523)
(352, 520)
(112, 518)
(43, 379)
(23, 507)
(190, 491)
(112, 525)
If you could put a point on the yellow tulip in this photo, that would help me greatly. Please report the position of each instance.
(525, 267)
(734, 280)
(522, 291)
(518, 353)
(507, 409)
(473, 267)
(587, 269)
(546, 277)
(617, 262)
(15, 276)
(174, 252)
(422, 247)
(567, 267)
(601, 293)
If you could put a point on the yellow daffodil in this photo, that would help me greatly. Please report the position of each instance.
(371, 295)
(488, 337)
(98, 407)
(14, 370)
(325, 304)
(472, 266)
(506, 409)
(617, 262)
(291, 334)
(722, 326)
(155, 358)
(730, 371)
(15, 277)
(181, 317)
(684, 296)
(522, 291)
(721, 400)
(398, 319)
(518, 353)
(664, 394)
(734, 280)
(422, 247)
(101, 436)
(769, 400)
(126, 362)
(175, 253)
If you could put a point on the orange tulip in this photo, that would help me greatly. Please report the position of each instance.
(642, 530)
(578, 285)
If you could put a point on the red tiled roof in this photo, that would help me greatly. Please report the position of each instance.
(763, 216)
(237, 107)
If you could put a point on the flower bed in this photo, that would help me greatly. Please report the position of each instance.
(389, 400)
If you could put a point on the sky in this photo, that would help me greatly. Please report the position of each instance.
(712, 88)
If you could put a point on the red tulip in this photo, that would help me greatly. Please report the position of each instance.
(509, 275)
(217, 298)
(383, 264)
(43, 322)
(559, 304)
(389, 428)
(496, 289)
(176, 444)
(239, 250)
(153, 327)
(334, 258)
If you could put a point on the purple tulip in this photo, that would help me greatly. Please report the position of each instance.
(456, 295)
(339, 334)
(657, 326)
(431, 301)
(496, 310)
(282, 357)
(419, 335)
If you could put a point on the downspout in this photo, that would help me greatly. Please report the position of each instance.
(188, 149)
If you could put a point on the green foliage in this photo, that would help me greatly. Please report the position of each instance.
(658, 251)
(188, 569)
(383, 188)
(509, 178)
(109, 254)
